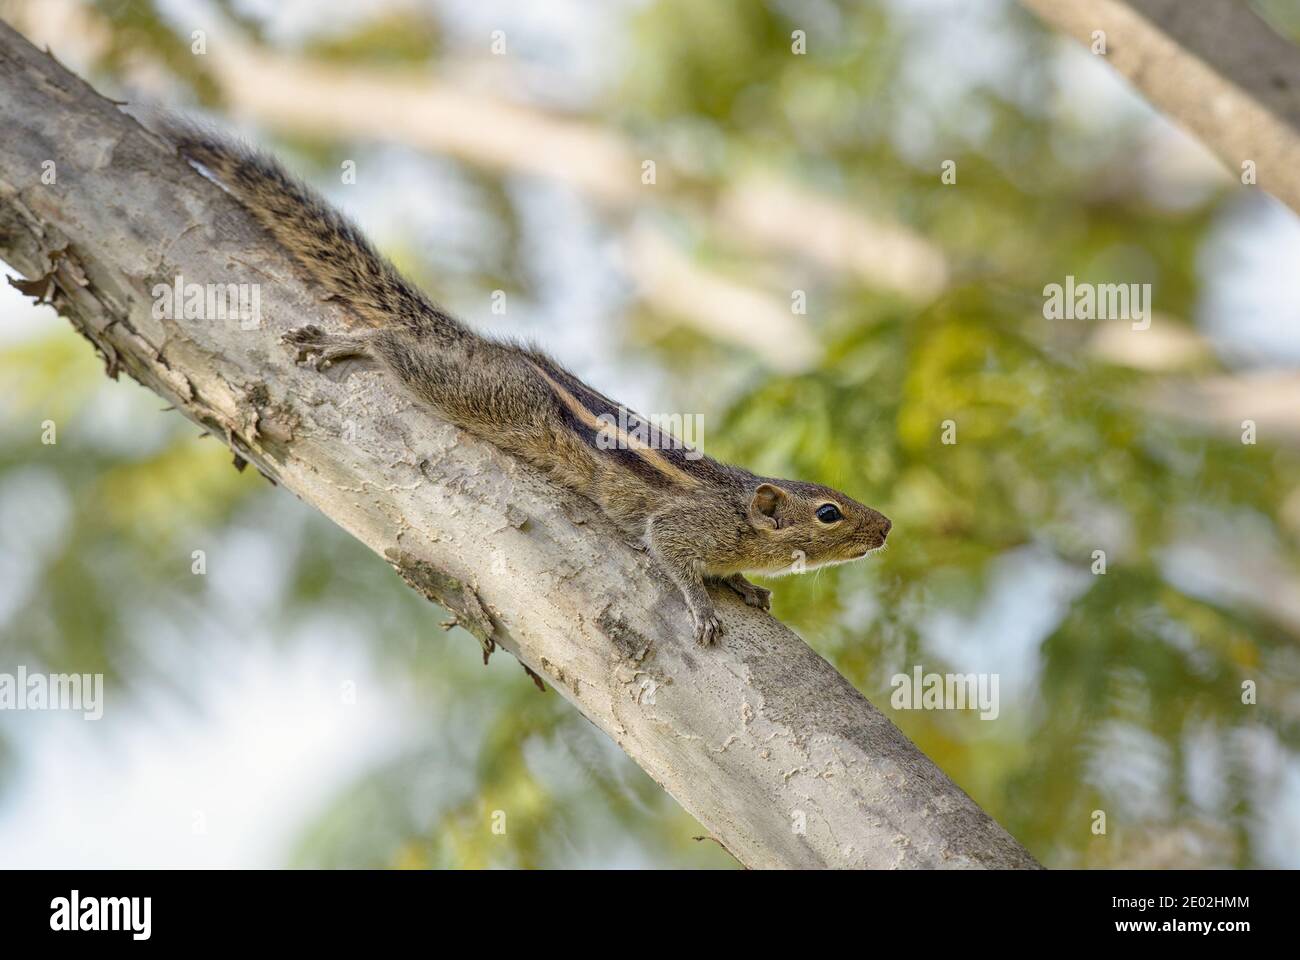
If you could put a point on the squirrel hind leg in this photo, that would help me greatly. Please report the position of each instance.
(328, 348)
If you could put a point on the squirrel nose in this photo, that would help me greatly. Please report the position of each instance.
(885, 526)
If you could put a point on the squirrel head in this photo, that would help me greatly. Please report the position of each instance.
(793, 520)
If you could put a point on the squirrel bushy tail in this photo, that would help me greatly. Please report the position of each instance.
(497, 390)
(325, 243)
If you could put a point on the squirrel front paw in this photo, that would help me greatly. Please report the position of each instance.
(708, 626)
(307, 340)
(760, 597)
(751, 593)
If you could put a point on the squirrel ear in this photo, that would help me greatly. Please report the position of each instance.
(763, 507)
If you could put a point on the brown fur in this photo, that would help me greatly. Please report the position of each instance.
(702, 520)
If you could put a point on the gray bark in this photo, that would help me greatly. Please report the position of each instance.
(751, 737)
(1212, 66)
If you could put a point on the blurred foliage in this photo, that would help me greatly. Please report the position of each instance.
(1284, 15)
(1046, 445)
(138, 27)
(394, 37)
(1058, 454)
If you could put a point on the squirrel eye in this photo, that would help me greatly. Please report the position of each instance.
(829, 513)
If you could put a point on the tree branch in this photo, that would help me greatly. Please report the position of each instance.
(1212, 66)
(754, 737)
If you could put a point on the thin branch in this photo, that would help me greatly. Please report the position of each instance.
(1213, 67)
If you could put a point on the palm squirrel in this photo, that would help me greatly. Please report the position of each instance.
(701, 520)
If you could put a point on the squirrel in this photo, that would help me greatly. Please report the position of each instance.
(701, 520)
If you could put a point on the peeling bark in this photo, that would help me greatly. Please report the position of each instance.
(751, 737)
